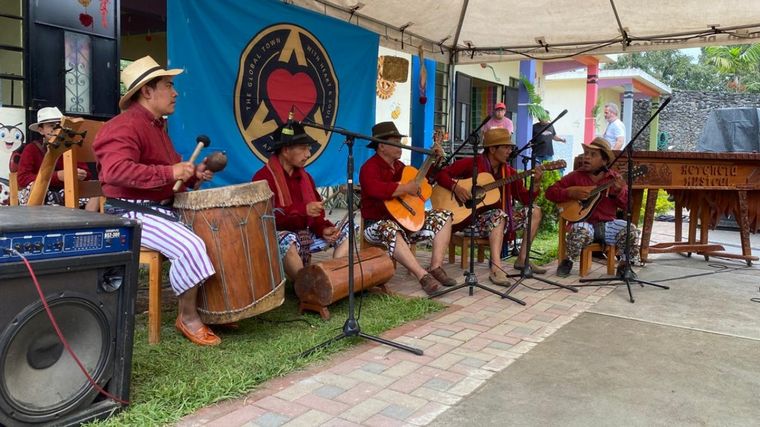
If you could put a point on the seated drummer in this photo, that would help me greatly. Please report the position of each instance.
(379, 178)
(138, 168)
(601, 226)
(299, 213)
(499, 219)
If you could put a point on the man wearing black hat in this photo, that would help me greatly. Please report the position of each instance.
(601, 225)
(299, 213)
(380, 180)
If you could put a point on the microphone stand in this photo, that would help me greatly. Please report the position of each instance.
(351, 327)
(471, 279)
(627, 275)
(527, 240)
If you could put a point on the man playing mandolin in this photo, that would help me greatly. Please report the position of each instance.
(495, 219)
(600, 225)
(299, 211)
(380, 179)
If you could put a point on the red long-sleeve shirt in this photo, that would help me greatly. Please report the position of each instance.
(462, 169)
(605, 210)
(29, 167)
(294, 217)
(135, 157)
(378, 181)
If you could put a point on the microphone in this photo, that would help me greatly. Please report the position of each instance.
(565, 112)
(203, 141)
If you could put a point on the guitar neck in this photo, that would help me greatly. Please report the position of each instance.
(603, 187)
(422, 172)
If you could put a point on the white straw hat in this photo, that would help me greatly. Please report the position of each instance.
(138, 73)
(46, 115)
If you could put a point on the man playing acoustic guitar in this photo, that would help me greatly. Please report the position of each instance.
(495, 219)
(380, 179)
(600, 225)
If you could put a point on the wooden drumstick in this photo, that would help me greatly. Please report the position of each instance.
(203, 141)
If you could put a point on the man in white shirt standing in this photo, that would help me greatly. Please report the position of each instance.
(615, 132)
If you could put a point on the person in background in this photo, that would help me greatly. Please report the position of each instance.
(48, 120)
(615, 131)
(544, 143)
(499, 119)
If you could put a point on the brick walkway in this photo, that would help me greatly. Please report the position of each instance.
(377, 385)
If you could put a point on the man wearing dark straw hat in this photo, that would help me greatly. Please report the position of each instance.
(379, 178)
(601, 225)
(299, 212)
(138, 168)
(500, 219)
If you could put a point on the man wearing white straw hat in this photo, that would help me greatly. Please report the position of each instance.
(138, 167)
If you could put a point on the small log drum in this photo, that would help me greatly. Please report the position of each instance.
(319, 285)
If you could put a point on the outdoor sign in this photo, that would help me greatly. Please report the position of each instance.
(248, 65)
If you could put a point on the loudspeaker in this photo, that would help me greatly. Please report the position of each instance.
(92, 297)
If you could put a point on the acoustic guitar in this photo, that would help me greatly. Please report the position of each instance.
(485, 194)
(407, 209)
(579, 210)
(64, 137)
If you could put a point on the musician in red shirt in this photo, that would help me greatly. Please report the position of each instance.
(601, 225)
(380, 178)
(299, 212)
(498, 219)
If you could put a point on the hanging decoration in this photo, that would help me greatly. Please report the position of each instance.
(103, 13)
(385, 88)
(85, 18)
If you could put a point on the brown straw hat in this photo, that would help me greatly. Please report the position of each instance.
(497, 136)
(384, 130)
(602, 145)
(138, 73)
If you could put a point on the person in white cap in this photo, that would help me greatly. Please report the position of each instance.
(138, 167)
(48, 119)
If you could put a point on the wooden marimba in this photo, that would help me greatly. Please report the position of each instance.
(709, 185)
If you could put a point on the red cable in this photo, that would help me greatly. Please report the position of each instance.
(60, 334)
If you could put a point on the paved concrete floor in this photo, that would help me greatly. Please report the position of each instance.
(683, 356)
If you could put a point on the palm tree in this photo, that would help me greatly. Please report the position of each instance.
(534, 100)
(733, 61)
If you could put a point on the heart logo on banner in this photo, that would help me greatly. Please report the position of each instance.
(286, 90)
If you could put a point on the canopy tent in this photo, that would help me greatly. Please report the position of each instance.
(473, 31)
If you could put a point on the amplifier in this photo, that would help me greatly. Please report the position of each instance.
(86, 264)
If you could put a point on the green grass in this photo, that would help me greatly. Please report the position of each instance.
(175, 378)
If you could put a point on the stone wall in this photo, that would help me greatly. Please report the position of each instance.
(684, 118)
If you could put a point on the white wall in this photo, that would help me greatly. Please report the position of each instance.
(397, 108)
(503, 70)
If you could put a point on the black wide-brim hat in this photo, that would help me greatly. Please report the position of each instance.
(384, 130)
(291, 135)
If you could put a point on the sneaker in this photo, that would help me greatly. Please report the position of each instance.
(536, 269)
(498, 278)
(441, 276)
(564, 267)
(429, 284)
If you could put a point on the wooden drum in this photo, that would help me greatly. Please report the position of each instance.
(237, 224)
(319, 285)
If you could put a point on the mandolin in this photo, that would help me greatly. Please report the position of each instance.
(579, 210)
(407, 209)
(65, 136)
(486, 193)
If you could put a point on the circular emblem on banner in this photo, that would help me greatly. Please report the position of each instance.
(284, 68)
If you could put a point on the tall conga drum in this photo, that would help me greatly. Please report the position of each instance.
(237, 224)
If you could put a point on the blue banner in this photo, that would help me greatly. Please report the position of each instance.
(248, 64)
